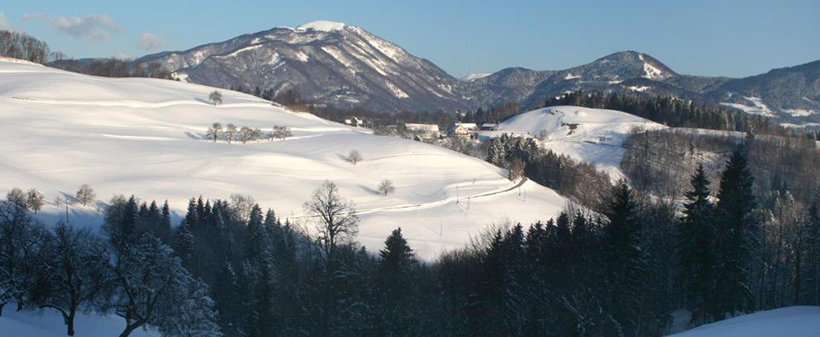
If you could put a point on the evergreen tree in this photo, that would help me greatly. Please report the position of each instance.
(736, 227)
(696, 250)
(625, 263)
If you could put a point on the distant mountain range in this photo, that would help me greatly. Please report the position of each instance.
(348, 67)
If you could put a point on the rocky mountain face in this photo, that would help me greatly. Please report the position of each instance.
(345, 66)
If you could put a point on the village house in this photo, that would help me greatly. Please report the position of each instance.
(464, 130)
(423, 131)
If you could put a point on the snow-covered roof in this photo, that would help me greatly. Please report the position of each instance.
(422, 127)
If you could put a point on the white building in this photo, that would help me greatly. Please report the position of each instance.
(425, 131)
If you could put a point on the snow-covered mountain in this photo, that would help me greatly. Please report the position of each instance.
(532, 87)
(591, 135)
(146, 137)
(325, 62)
(348, 67)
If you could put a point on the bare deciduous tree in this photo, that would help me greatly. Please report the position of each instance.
(215, 132)
(386, 187)
(243, 205)
(335, 219)
(230, 132)
(85, 195)
(281, 132)
(354, 157)
(35, 200)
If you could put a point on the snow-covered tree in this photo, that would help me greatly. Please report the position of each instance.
(215, 97)
(35, 200)
(85, 195)
(354, 157)
(386, 187)
(19, 242)
(71, 273)
(18, 198)
(151, 287)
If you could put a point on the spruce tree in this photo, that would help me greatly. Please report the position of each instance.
(696, 250)
(625, 262)
(736, 227)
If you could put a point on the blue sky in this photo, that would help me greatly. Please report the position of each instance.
(700, 37)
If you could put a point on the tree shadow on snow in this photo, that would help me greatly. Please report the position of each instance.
(194, 136)
(369, 190)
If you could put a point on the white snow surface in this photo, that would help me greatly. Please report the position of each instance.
(597, 137)
(474, 76)
(49, 323)
(757, 107)
(144, 137)
(322, 26)
(803, 321)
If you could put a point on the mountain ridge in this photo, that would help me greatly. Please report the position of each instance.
(332, 63)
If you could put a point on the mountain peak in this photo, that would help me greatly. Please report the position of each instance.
(322, 26)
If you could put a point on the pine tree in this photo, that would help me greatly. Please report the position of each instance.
(736, 227)
(696, 250)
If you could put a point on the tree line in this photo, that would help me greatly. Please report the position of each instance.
(113, 67)
(24, 47)
(671, 112)
(231, 133)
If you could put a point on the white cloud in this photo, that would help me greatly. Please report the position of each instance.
(91, 27)
(150, 42)
(4, 23)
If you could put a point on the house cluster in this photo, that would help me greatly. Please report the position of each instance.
(471, 130)
(466, 131)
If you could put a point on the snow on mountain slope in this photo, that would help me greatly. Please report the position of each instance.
(144, 137)
(790, 321)
(324, 62)
(49, 323)
(591, 135)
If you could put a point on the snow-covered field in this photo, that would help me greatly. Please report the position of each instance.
(49, 323)
(591, 135)
(784, 322)
(144, 137)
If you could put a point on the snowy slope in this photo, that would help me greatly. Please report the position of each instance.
(591, 135)
(49, 323)
(786, 322)
(144, 137)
